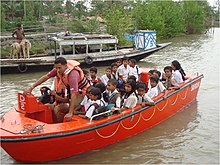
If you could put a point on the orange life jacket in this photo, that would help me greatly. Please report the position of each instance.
(62, 81)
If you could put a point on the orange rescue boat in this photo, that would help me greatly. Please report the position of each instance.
(29, 135)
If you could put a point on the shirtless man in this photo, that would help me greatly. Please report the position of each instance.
(19, 32)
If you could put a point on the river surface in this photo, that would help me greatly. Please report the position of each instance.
(189, 137)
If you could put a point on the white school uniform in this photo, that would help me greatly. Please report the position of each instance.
(104, 79)
(115, 75)
(161, 88)
(91, 109)
(130, 102)
(136, 71)
(143, 98)
(86, 102)
(152, 92)
(177, 76)
(124, 72)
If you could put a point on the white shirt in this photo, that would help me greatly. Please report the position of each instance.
(89, 111)
(134, 71)
(86, 102)
(152, 92)
(124, 72)
(143, 98)
(161, 88)
(177, 76)
(130, 102)
(104, 79)
(115, 75)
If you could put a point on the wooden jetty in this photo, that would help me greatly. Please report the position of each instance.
(82, 50)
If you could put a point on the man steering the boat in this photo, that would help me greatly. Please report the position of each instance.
(70, 86)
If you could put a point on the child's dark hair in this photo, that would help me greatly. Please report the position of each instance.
(113, 82)
(151, 71)
(60, 60)
(133, 61)
(141, 85)
(93, 69)
(177, 65)
(118, 59)
(96, 92)
(125, 58)
(113, 64)
(157, 72)
(132, 83)
(154, 78)
(101, 86)
(19, 25)
(89, 88)
(108, 69)
(132, 77)
(168, 68)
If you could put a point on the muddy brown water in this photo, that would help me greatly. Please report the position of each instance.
(190, 136)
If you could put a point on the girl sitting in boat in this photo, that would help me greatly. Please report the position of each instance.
(143, 98)
(95, 96)
(170, 80)
(178, 72)
(129, 99)
(153, 91)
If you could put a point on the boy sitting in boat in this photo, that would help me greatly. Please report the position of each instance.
(153, 91)
(106, 76)
(93, 79)
(95, 96)
(134, 69)
(114, 99)
(170, 80)
(160, 85)
(104, 93)
(143, 98)
(123, 70)
(114, 69)
(86, 102)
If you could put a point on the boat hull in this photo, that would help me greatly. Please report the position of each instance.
(115, 128)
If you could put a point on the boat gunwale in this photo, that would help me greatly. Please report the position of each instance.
(79, 131)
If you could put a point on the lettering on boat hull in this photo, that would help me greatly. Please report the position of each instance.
(195, 86)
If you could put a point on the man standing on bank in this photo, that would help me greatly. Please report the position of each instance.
(70, 87)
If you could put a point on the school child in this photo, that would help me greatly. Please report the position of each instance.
(86, 102)
(114, 68)
(134, 69)
(95, 96)
(104, 93)
(118, 61)
(129, 99)
(19, 32)
(153, 91)
(143, 98)
(106, 76)
(170, 80)
(161, 88)
(150, 73)
(178, 72)
(93, 79)
(123, 70)
(114, 99)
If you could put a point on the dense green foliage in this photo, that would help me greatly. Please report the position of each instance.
(169, 18)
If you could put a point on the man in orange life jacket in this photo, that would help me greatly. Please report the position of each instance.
(68, 77)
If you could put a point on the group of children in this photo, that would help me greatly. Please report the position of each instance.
(120, 87)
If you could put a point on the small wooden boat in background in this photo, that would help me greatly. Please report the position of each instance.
(29, 135)
(88, 49)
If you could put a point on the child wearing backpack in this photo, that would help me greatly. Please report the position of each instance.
(114, 99)
(95, 96)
